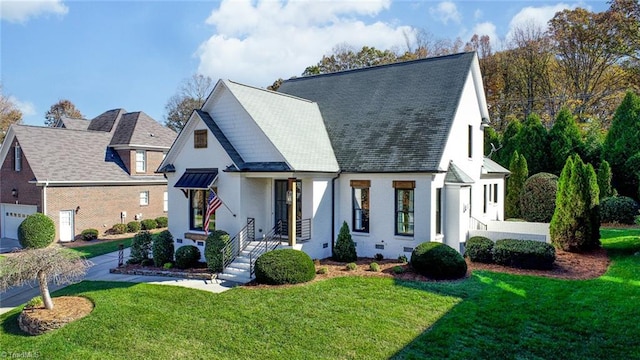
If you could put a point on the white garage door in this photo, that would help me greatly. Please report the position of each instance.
(12, 216)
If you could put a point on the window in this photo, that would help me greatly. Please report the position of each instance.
(495, 193)
(144, 198)
(484, 205)
(360, 196)
(141, 161)
(404, 207)
(165, 206)
(198, 209)
(200, 139)
(17, 159)
(439, 211)
(470, 144)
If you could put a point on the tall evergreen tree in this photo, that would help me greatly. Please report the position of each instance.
(576, 222)
(622, 142)
(509, 143)
(564, 140)
(515, 184)
(604, 180)
(533, 142)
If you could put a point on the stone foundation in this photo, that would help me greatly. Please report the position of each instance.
(166, 273)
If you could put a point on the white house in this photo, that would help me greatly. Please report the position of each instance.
(395, 151)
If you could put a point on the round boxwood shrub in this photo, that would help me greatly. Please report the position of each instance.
(216, 241)
(148, 224)
(538, 197)
(187, 256)
(163, 248)
(478, 249)
(89, 234)
(438, 261)
(524, 254)
(284, 266)
(36, 231)
(118, 229)
(618, 209)
(162, 222)
(133, 226)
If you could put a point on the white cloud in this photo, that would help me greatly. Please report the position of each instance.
(477, 15)
(446, 11)
(19, 11)
(487, 28)
(536, 16)
(257, 43)
(26, 107)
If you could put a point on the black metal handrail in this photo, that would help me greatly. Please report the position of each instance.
(269, 241)
(238, 243)
(303, 229)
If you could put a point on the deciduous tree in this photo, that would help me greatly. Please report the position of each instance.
(9, 114)
(63, 108)
(191, 96)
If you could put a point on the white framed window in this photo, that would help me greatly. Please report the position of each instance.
(144, 198)
(165, 206)
(141, 161)
(17, 159)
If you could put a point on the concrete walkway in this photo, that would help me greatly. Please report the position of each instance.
(17, 296)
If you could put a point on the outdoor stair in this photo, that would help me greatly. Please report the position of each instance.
(239, 270)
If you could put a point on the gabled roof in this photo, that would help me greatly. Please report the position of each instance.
(74, 124)
(294, 126)
(138, 129)
(106, 120)
(457, 176)
(390, 118)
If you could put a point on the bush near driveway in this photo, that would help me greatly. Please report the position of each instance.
(216, 241)
(140, 247)
(89, 234)
(187, 256)
(163, 249)
(36, 231)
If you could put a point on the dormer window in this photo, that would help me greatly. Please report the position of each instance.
(141, 161)
(200, 139)
(17, 159)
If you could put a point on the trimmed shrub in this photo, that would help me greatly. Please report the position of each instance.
(163, 248)
(216, 241)
(398, 269)
(323, 270)
(168, 266)
(118, 229)
(133, 226)
(618, 209)
(35, 302)
(515, 184)
(140, 247)
(478, 249)
(147, 262)
(148, 224)
(538, 197)
(162, 222)
(36, 231)
(187, 256)
(374, 267)
(403, 259)
(378, 257)
(438, 261)
(89, 234)
(345, 248)
(284, 266)
(524, 254)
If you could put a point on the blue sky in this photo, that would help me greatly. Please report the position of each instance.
(103, 55)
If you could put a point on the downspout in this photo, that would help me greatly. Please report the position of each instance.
(333, 209)
(44, 197)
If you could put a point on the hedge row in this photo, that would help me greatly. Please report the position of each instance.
(525, 254)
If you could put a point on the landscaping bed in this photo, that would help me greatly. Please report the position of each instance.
(201, 273)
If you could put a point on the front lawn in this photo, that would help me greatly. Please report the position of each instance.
(489, 315)
(101, 248)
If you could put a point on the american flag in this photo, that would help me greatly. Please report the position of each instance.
(213, 204)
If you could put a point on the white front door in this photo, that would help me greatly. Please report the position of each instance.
(11, 216)
(66, 225)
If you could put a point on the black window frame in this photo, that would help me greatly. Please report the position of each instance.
(203, 209)
(439, 211)
(409, 213)
(363, 210)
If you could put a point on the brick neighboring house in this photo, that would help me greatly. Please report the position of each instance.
(84, 174)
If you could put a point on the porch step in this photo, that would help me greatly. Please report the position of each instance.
(240, 269)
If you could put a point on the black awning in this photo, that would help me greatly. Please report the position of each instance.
(197, 179)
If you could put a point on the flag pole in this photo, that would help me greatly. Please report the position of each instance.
(223, 203)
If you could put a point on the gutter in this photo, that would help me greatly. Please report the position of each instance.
(333, 210)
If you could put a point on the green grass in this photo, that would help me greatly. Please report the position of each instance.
(101, 248)
(489, 315)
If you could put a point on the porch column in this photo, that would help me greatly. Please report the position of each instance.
(292, 211)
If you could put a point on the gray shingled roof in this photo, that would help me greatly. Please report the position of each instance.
(390, 118)
(106, 120)
(74, 124)
(138, 128)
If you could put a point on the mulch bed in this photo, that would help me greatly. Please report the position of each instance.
(66, 309)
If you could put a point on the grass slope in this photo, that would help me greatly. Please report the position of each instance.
(94, 250)
(490, 315)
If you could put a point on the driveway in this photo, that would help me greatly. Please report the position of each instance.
(8, 245)
(99, 271)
